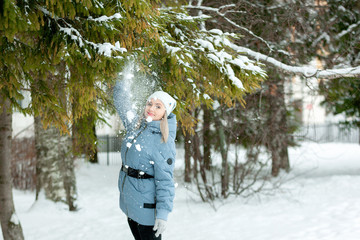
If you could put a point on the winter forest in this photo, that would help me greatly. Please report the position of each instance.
(251, 162)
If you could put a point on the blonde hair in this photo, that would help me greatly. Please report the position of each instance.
(164, 128)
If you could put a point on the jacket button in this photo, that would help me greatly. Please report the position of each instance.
(169, 161)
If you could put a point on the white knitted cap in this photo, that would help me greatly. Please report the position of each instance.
(168, 101)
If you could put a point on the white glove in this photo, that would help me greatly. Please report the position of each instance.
(159, 227)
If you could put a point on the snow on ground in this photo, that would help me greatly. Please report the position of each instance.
(320, 200)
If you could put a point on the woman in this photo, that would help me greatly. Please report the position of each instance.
(148, 156)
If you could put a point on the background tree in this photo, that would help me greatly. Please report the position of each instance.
(340, 47)
(342, 96)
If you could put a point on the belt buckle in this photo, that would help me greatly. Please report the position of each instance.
(141, 174)
(125, 169)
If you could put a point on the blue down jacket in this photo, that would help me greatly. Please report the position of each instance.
(142, 149)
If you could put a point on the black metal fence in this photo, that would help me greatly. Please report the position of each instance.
(328, 133)
(109, 149)
(109, 146)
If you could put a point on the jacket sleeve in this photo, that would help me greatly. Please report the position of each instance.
(123, 104)
(164, 163)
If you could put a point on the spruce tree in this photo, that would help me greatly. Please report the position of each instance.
(87, 38)
(341, 47)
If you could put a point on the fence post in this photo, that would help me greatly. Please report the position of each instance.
(107, 149)
(329, 133)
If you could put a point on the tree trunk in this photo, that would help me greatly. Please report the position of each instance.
(55, 165)
(84, 133)
(93, 158)
(277, 138)
(84, 138)
(187, 146)
(188, 154)
(224, 162)
(10, 224)
(207, 137)
(198, 158)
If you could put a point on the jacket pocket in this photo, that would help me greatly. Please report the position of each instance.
(149, 205)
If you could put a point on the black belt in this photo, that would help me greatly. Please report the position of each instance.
(135, 173)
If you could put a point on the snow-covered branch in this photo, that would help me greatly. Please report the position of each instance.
(105, 18)
(304, 71)
(351, 28)
(223, 15)
(227, 6)
(105, 48)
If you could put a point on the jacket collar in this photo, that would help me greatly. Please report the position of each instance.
(155, 125)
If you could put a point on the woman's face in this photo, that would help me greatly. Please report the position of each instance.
(155, 109)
